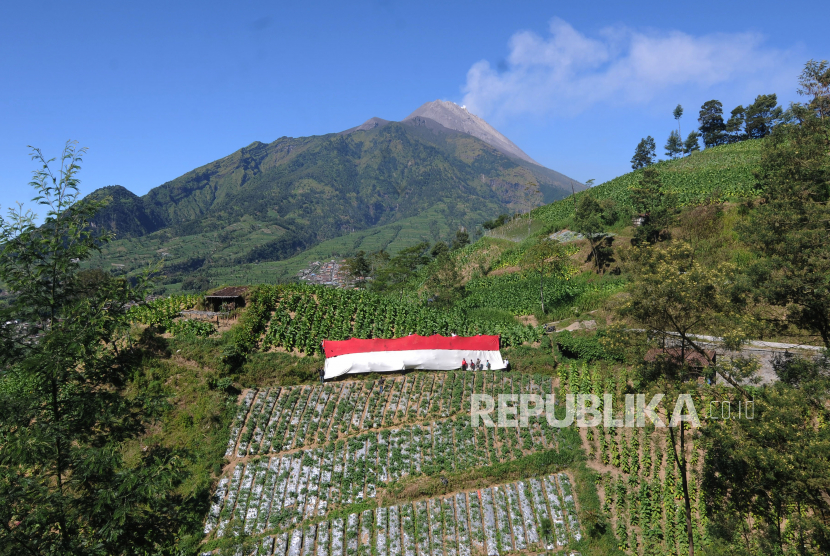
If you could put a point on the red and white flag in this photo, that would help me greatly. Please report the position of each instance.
(434, 353)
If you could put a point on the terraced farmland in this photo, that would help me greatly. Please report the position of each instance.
(303, 454)
(640, 485)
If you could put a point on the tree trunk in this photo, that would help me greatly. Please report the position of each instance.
(681, 463)
(594, 251)
(541, 293)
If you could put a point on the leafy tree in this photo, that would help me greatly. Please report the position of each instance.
(767, 478)
(439, 249)
(359, 267)
(196, 283)
(645, 153)
(65, 356)
(399, 268)
(789, 230)
(496, 222)
(377, 260)
(656, 205)
(815, 82)
(444, 284)
(711, 123)
(735, 125)
(678, 113)
(545, 257)
(592, 218)
(674, 145)
(672, 296)
(692, 143)
(762, 116)
(462, 238)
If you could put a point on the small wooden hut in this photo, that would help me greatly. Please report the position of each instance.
(227, 298)
(693, 359)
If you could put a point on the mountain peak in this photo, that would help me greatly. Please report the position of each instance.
(458, 118)
(371, 123)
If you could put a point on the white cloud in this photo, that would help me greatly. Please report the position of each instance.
(569, 72)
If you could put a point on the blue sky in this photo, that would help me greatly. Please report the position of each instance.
(155, 89)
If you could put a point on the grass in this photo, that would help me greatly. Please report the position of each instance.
(191, 421)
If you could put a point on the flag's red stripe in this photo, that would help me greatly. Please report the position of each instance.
(333, 348)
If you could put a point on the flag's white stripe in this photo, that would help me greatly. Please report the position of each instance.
(425, 359)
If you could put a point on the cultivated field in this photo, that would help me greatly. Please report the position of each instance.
(323, 470)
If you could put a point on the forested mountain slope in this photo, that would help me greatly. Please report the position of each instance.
(269, 202)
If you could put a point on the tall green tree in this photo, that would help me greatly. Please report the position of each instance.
(789, 230)
(814, 82)
(547, 257)
(678, 113)
(644, 154)
(674, 145)
(735, 125)
(673, 296)
(592, 219)
(439, 249)
(65, 356)
(762, 116)
(394, 273)
(444, 285)
(359, 268)
(692, 143)
(767, 478)
(712, 127)
(462, 238)
(658, 206)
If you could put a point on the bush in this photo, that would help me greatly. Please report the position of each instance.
(191, 327)
(588, 348)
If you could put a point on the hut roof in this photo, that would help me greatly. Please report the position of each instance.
(693, 358)
(228, 293)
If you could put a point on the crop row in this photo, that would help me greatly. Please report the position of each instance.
(532, 514)
(300, 485)
(727, 169)
(282, 419)
(643, 497)
(648, 510)
(300, 316)
(162, 311)
(519, 294)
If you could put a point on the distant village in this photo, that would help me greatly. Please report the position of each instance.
(331, 273)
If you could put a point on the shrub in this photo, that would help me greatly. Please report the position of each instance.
(588, 348)
(191, 327)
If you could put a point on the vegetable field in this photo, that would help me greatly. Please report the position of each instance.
(492, 521)
(302, 453)
(162, 311)
(298, 317)
(519, 293)
(727, 168)
(643, 497)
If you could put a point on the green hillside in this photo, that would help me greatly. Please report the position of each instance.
(727, 169)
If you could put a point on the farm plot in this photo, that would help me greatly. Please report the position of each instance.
(299, 317)
(301, 452)
(642, 495)
(433, 527)
(283, 419)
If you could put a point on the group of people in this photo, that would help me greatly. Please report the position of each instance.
(477, 366)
